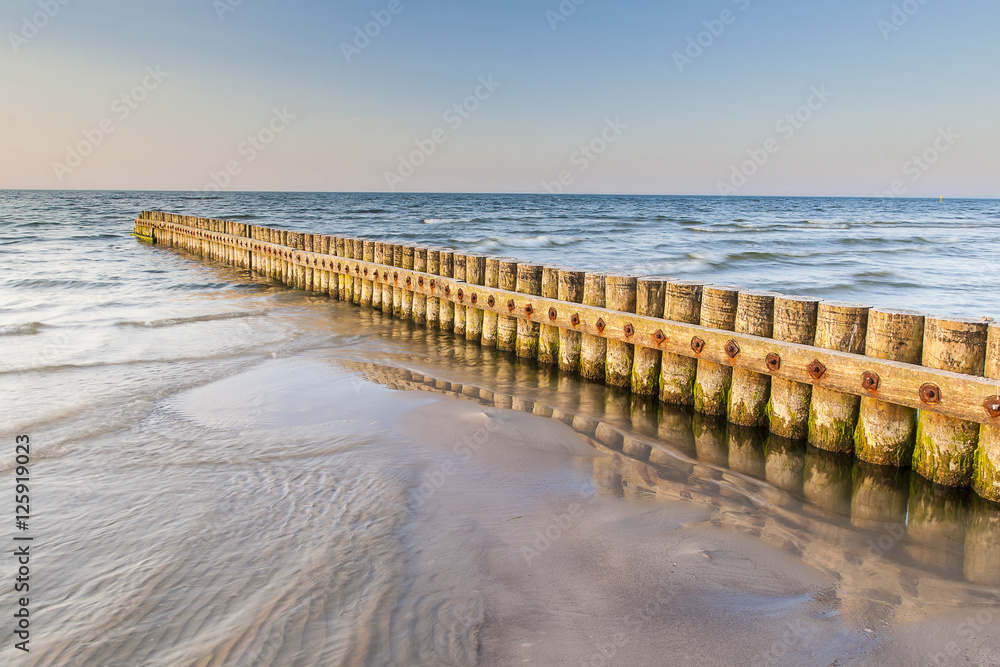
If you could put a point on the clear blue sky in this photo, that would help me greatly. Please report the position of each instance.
(928, 88)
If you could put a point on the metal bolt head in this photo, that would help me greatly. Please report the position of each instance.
(553, 314)
(395, 276)
(529, 309)
(357, 270)
(574, 320)
(433, 284)
(409, 280)
(339, 265)
(992, 405)
(475, 298)
(930, 393)
(491, 301)
(773, 362)
(461, 294)
(510, 305)
(698, 345)
(420, 281)
(600, 325)
(870, 381)
(732, 349)
(629, 330)
(366, 273)
(447, 290)
(659, 337)
(385, 275)
(816, 369)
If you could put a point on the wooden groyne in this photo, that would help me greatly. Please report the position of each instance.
(891, 387)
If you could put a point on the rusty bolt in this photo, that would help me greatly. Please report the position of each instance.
(659, 337)
(600, 325)
(395, 276)
(366, 272)
(773, 362)
(732, 349)
(385, 275)
(992, 405)
(816, 369)
(510, 305)
(870, 381)
(447, 290)
(529, 309)
(574, 320)
(475, 298)
(553, 314)
(357, 270)
(420, 281)
(491, 301)
(409, 280)
(461, 294)
(629, 330)
(339, 265)
(697, 344)
(930, 393)
(433, 284)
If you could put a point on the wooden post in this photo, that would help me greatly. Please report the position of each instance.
(459, 274)
(833, 415)
(507, 324)
(886, 432)
(593, 349)
(379, 258)
(529, 281)
(650, 299)
(788, 408)
(619, 294)
(345, 248)
(946, 446)
(446, 316)
(749, 391)
(570, 290)
(387, 259)
(324, 277)
(492, 277)
(310, 273)
(406, 311)
(300, 271)
(397, 281)
(548, 335)
(419, 299)
(434, 303)
(359, 253)
(986, 470)
(678, 373)
(475, 274)
(367, 286)
(712, 382)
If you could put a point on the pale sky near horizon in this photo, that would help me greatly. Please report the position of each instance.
(670, 97)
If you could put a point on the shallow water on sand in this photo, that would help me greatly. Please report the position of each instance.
(230, 472)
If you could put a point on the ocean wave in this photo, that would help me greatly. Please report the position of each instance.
(176, 321)
(440, 221)
(367, 210)
(539, 241)
(26, 329)
(48, 283)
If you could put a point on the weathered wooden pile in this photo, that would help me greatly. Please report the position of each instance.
(894, 387)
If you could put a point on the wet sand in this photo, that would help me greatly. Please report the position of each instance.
(368, 493)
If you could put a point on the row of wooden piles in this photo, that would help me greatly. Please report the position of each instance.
(943, 449)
